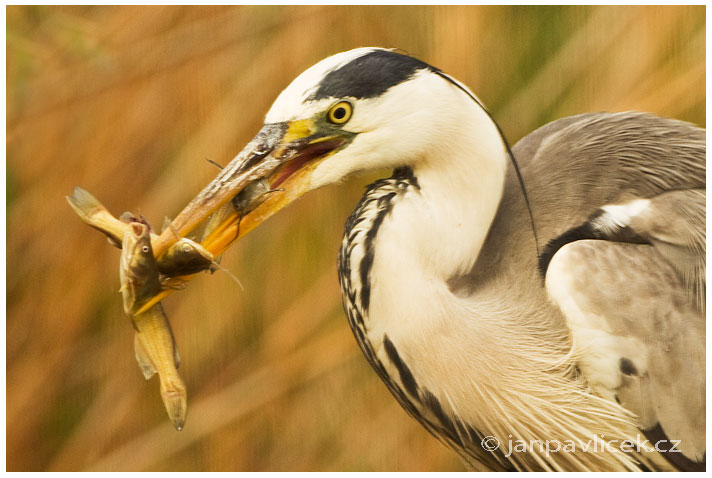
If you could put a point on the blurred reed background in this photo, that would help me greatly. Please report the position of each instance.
(128, 102)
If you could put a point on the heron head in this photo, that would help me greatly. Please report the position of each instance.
(369, 108)
(359, 110)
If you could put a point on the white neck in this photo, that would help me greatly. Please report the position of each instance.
(461, 182)
(436, 233)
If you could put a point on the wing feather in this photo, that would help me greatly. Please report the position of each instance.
(639, 337)
(674, 223)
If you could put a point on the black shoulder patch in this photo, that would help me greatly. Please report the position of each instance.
(588, 230)
(369, 76)
(584, 231)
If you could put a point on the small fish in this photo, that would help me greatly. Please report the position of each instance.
(138, 269)
(183, 258)
(252, 196)
(154, 345)
(156, 352)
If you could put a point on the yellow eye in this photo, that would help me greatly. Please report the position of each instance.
(340, 113)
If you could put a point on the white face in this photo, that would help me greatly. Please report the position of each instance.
(395, 128)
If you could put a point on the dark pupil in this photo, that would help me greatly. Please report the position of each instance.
(339, 113)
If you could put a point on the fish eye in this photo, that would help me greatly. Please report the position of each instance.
(340, 113)
(144, 248)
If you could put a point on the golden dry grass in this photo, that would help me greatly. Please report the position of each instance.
(129, 101)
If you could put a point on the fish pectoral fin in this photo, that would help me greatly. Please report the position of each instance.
(175, 283)
(144, 362)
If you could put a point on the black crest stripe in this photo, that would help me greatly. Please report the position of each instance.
(368, 76)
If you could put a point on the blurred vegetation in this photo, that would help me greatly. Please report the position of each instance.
(128, 102)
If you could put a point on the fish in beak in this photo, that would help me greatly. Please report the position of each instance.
(269, 173)
(273, 170)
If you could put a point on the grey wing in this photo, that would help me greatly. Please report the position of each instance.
(639, 337)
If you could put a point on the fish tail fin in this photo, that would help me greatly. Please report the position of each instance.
(83, 202)
(175, 400)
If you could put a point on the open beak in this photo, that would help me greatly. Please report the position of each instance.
(282, 154)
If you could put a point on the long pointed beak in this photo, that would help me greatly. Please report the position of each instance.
(283, 155)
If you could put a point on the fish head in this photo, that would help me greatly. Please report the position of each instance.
(138, 268)
(183, 258)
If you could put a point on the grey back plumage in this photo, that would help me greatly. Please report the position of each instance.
(642, 272)
(643, 277)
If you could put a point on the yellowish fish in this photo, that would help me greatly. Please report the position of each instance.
(185, 257)
(154, 345)
(156, 352)
(250, 197)
(138, 269)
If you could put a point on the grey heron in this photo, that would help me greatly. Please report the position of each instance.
(539, 307)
